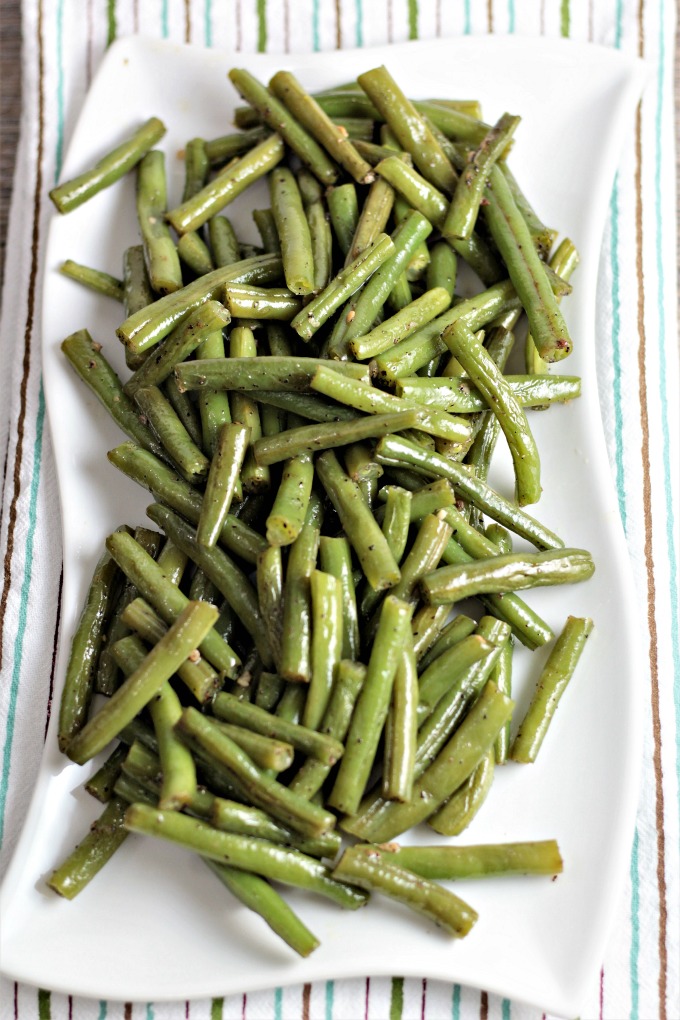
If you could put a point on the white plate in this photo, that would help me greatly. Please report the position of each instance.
(154, 925)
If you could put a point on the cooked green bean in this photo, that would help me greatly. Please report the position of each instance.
(452, 862)
(160, 253)
(427, 625)
(295, 642)
(225, 469)
(223, 242)
(444, 670)
(552, 684)
(401, 325)
(102, 840)
(95, 279)
(177, 764)
(261, 373)
(564, 261)
(456, 630)
(195, 254)
(457, 395)
(272, 755)
(374, 872)
(326, 646)
(433, 534)
(191, 462)
(223, 149)
(392, 634)
(397, 519)
(227, 185)
(109, 168)
(456, 814)
(185, 634)
(501, 675)
(336, 559)
(287, 514)
(401, 730)
(101, 784)
(344, 213)
(247, 302)
(293, 231)
(270, 594)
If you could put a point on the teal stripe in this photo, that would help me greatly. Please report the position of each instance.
(278, 1003)
(103, 1010)
(634, 930)
(58, 158)
(330, 998)
(360, 22)
(150, 1011)
(165, 25)
(23, 609)
(455, 1003)
(506, 1009)
(207, 23)
(671, 533)
(467, 28)
(619, 24)
(616, 354)
(413, 19)
(316, 38)
(511, 15)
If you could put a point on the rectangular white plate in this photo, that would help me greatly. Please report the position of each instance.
(154, 925)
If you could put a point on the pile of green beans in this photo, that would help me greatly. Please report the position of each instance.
(314, 417)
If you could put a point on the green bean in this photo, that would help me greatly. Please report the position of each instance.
(526, 270)
(310, 438)
(213, 407)
(372, 871)
(456, 394)
(372, 220)
(102, 840)
(310, 115)
(358, 522)
(168, 601)
(137, 290)
(287, 514)
(197, 674)
(455, 762)
(151, 324)
(410, 128)
(185, 634)
(543, 237)
(427, 623)
(177, 765)
(261, 373)
(373, 153)
(336, 559)
(370, 400)
(447, 668)
(273, 755)
(393, 450)
(85, 647)
(167, 487)
(225, 468)
(397, 519)
(471, 186)
(293, 231)
(158, 411)
(452, 862)
(227, 185)
(401, 730)
(269, 690)
(266, 228)
(223, 149)
(512, 419)
(392, 634)
(254, 477)
(322, 243)
(442, 268)
(456, 814)
(94, 279)
(426, 550)
(90, 364)
(346, 283)
(455, 631)
(401, 325)
(501, 675)
(270, 594)
(223, 243)
(343, 209)
(109, 168)
(507, 573)
(222, 571)
(552, 684)
(564, 261)
(160, 253)
(295, 643)
(263, 791)
(194, 252)
(177, 346)
(326, 646)
(185, 409)
(246, 302)
(259, 856)
(101, 784)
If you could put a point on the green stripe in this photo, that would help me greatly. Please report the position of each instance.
(671, 533)
(455, 1003)
(60, 91)
(360, 22)
(616, 355)
(216, 1007)
(565, 18)
(111, 23)
(44, 1005)
(330, 998)
(23, 610)
(207, 23)
(413, 19)
(397, 998)
(261, 26)
(634, 930)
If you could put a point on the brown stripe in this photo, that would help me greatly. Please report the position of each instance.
(187, 21)
(489, 15)
(127, 1011)
(306, 996)
(338, 25)
(286, 26)
(16, 1001)
(28, 331)
(390, 22)
(649, 552)
(55, 645)
(484, 1006)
